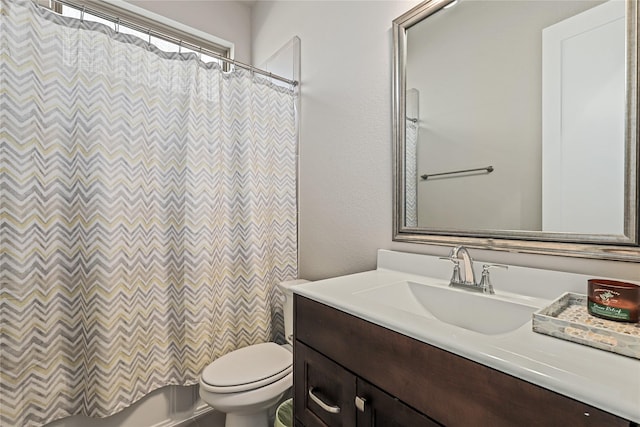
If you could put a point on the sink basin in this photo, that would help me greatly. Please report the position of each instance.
(486, 314)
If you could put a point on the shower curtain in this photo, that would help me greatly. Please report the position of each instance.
(412, 130)
(411, 174)
(148, 209)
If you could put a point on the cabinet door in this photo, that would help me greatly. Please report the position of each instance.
(323, 390)
(379, 409)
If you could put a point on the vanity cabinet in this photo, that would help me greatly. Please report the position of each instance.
(342, 361)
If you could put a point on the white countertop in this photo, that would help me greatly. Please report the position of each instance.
(599, 378)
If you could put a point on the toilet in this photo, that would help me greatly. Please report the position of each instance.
(247, 382)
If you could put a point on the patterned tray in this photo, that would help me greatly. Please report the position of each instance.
(567, 318)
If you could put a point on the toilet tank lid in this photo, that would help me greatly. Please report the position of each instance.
(248, 365)
(288, 284)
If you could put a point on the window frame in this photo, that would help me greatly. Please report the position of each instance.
(168, 30)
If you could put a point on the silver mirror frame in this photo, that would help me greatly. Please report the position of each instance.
(607, 247)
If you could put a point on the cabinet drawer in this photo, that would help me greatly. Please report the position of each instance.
(331, 384)
(450, 389)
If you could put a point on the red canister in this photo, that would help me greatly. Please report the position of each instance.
(613, 300)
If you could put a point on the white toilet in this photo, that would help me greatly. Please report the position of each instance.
(247, 382)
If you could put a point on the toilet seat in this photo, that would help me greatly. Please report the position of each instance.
(248, 368)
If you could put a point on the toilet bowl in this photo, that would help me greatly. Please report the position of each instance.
(247, 382)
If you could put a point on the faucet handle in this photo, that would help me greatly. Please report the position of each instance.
(486, 267)
(455, 278)
(485, 282)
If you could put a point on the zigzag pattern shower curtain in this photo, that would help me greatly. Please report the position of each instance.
(148, 209)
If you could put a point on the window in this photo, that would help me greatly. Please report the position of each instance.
(162, 36)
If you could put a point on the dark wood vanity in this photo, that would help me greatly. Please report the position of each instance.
(361, 374)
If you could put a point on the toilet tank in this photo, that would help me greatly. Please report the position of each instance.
(286, 288)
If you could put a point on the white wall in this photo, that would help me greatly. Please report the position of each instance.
(345, 153)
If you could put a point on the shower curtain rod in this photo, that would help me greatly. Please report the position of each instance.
(117, 21)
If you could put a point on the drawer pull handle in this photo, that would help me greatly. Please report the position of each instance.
(329, 408)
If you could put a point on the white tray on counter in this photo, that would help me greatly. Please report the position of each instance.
(567, 318)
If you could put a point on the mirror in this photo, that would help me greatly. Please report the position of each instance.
(515, 126)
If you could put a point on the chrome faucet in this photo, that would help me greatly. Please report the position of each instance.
(469, 277)
(467, 280)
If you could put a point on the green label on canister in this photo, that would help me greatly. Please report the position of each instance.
(609, 312)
